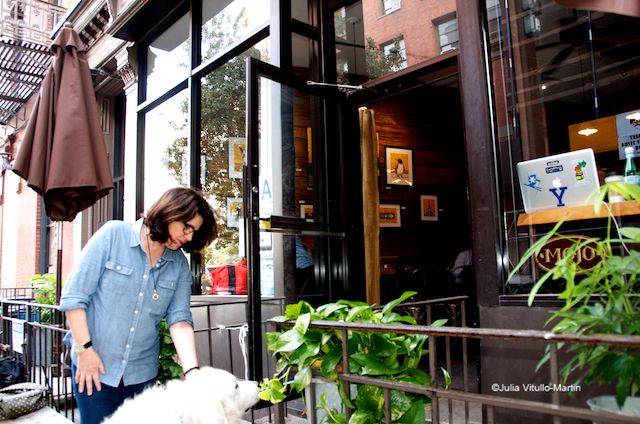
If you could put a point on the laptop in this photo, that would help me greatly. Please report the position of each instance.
(566, 179)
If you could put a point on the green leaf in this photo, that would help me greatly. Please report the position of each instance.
(330, 363)
(361, 416)
(302, 379)
(356, 312)
(439, 322)
(302, 323)
(400, 404)
(288, 341)
(389, 306)
(632, 233)
(415, 414)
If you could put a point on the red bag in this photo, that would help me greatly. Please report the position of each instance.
(230, 279)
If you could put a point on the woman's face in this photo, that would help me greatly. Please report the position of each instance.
(182, 232)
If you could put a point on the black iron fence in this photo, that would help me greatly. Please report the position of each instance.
(33, 333)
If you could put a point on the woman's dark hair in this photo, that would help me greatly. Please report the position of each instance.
(181, 205)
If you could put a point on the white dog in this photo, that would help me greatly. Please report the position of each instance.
(208, 396)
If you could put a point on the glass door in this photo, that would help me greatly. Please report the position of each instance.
(295, 236)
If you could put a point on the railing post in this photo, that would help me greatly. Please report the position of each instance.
(345, 366)
(553, 369)
(435, 410)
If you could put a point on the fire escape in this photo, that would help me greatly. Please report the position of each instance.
(25, 37)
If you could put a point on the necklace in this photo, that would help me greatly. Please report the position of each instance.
(153, 277)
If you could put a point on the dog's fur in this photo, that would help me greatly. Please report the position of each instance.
(208, 396)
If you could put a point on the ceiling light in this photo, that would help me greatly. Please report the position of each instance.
(587, 131)
(635, 116)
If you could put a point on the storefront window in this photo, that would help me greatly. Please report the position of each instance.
(168, 58)
(370, 45)
(166, 148)
(557, 71)
(226, 22)
(223, 154)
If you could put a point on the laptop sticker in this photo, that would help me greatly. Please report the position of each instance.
(534, 182)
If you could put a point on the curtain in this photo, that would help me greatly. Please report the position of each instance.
(370, 204)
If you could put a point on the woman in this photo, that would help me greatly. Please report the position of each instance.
(128, 278)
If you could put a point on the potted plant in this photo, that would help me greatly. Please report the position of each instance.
(382, 355)
(44, 292)
(602, 299)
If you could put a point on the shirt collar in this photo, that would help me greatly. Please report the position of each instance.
(167, 255)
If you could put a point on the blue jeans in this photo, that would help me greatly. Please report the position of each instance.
(101, 404)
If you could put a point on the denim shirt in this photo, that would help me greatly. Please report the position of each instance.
(113, 282)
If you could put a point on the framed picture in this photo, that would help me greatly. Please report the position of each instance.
(429, 208)
(237, 148)
(306, 212)
(389, 215)
(399, 166)
(234, 211)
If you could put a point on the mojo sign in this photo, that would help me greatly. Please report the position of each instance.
(556, 248)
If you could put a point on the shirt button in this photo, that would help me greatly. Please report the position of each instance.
(128, 346)
(124, 362)
(132, 329)
(144, 276)
(118, 267)
(135, 312)
(140, 294)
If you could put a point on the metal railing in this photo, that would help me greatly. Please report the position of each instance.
(34, 332)
(454, 404)
(30, 332)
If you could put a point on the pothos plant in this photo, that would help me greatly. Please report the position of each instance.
(168, 366)
(380, 355)
(603, 299)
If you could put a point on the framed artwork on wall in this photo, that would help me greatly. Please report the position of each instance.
(390, 216)
(399, 166)
(428, 208)
(306, 212)
(237, 148)
(234, 211)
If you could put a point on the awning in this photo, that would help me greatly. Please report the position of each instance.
(22, 68)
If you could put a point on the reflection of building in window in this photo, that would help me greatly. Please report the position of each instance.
(17, 11)
(447, 33)
(395, 53)
(389, 6)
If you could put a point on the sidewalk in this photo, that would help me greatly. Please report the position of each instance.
(44, 415)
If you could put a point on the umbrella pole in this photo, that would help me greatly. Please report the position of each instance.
(59, 264)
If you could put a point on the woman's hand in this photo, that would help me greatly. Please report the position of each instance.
(88, 371)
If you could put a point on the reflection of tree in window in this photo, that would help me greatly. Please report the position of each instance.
(222, 116)
(385, 59)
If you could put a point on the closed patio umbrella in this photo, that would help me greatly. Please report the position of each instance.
(62, 155)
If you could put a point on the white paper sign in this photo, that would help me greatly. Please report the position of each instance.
(17, 335)
(628, 131)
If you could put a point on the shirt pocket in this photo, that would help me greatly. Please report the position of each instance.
(166, 288)
(117, 275)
